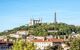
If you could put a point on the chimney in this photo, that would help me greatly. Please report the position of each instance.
(58, 37)
(55, 36)
(64, 37)
(44, 39)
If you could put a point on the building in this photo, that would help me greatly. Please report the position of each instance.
(15, 36)
(38, 37)
(22, 32)
(35, 21)
(65, 46)
(19, 34)
(4, 45)
(52, 30)
(2, 37)
(75, 35)
(44, 43)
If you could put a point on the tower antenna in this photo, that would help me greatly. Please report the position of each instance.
(55, 21)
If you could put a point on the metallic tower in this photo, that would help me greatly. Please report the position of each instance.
(55, 21)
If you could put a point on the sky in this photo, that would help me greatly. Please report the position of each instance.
(14, 13)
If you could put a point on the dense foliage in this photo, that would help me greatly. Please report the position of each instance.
(23, 45)
(75, 44)
(42, 29)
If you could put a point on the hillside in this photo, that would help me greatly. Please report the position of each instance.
(42, 29)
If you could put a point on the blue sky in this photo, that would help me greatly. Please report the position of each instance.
(14, 13)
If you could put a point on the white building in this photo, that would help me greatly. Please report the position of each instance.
(15, 35)
(31, 37)
(49, 36)
(2, 37)
(75, 36)
(38, 37)
(52, 30)
(43, 43)
(35, 21)
(65, 46)
(22, 32)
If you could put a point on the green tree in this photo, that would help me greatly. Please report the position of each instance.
(21, 45)
(75, 44)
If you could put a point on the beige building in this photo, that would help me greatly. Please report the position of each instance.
(65, 46)
(22, 32)
(43, 43)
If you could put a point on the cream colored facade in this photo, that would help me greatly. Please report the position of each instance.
(22, 32)
(42, 45)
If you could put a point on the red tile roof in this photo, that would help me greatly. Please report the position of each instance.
(48, 40)
(4, 42)
(1, 41)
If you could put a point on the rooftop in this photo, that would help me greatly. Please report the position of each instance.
(48, 40)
